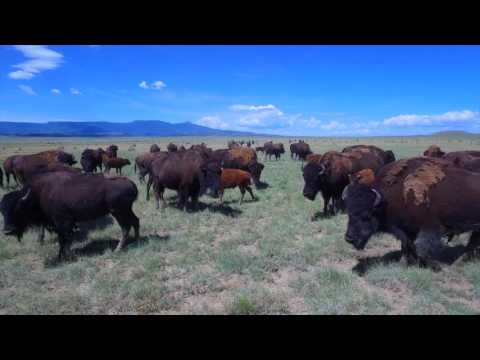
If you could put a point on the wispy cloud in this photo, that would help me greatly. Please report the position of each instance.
(252, 107)
(74, 91)
(448, 117)
(213, 122)
(56, 92)
(40, 57)
(27, 89)
(156, 85)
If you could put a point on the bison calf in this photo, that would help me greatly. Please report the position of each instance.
(116, 163)
(231, 178)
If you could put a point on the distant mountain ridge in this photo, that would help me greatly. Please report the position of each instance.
(453, 133)
(104, 128)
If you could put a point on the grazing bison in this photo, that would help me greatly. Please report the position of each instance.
(418, 201)
(300, 150)
(112, 151)
(115, 163)
(434, 151)
(59, 200)
(92, 159)
(231, 178)
(188, 173)
(273, 149)
(8, 168)
(154, 148)
(330, 175)
(386, 156)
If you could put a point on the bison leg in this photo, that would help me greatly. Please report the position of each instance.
(473, 243)
(428, 246)
(41, 235)
(249, 189)
(242, 191)
(408, 247)
(326, 200)
(220, 192)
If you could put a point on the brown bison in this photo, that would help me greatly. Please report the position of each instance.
(386, 156)
(8, 168)
(468, 159)
(418, 201)
(172, 147)
(115, 163)
(154, 148)
(273, 149)
(188, 173)
(231, 178)
(92, 159)
(259, 149)
(300, 150)
(59, 200)
(112, 151)
(143, 163)
(330, 175)
(434, 151)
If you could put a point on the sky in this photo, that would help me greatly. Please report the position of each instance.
(283, 90)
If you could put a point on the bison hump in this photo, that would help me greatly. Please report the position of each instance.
(419, 183)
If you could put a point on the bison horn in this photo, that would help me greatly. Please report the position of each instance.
(25, 197)
(322, 170)
(378, 198)
(344, 192)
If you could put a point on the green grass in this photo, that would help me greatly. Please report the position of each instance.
(266, 257)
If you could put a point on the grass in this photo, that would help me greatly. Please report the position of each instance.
(263, 257)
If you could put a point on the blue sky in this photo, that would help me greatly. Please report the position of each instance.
(286, 90)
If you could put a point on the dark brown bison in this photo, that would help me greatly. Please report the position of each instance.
(231, 178)
(59, 200)
(418, 201)
(330, 175)
(468, 159)
(154, 148)
(114, 163)
(143, 163)
(8, 168)
(92, 159)
(386, 156)
(273, 149)
(259, 149)
(172, 147)
(188, 173)
(112, 151)
(300, 150)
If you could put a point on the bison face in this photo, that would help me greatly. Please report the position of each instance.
(88, 164)
(312, 174)
(66, 158)
(363, 205)
(389, 156)
(212, 173)
(15, 210)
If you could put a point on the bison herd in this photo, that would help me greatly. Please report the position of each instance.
(418, 200)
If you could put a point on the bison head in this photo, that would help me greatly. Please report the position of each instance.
(364, 206)
(434, 151)
(389, 156)
(66, 158)
(211, 173)
(312, 175)
(88, 161)
(16, 208)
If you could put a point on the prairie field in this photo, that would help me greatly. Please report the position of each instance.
(274, 255)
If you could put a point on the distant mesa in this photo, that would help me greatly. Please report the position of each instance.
(134, 128)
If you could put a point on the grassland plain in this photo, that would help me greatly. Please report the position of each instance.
(263, 257)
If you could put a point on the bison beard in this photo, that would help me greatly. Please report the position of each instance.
(59, 200)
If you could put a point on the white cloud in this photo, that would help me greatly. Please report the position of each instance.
(56, 92)
(74, 91)
(27, 89)
(333, 125)
(252, 107)
(448, 117)
(213, 122)
(41, 58)
(157, 85)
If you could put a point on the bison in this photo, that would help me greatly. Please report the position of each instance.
(434, 151)
(112, 151)
(273, 149)
(115, 163)
(143, 163)
(468, 159)
(231, 178)
(154, 148)
(8, 168)
(418, 201)
(92, 159)
(172, 147)
(188, 173)
(300, 150)
(330, 175)
(58, 200)
(386, 156)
